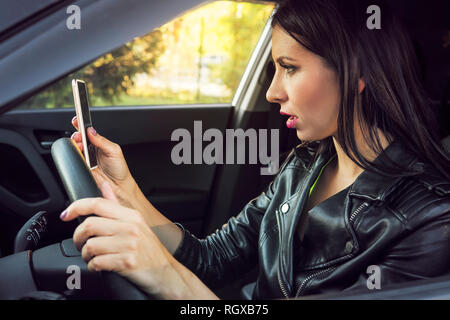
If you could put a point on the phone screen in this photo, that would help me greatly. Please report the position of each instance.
(84, 120)
(84, 104)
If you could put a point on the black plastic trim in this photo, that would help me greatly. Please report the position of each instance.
(16, 278)
(56, 199)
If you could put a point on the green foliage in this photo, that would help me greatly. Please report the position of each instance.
(170, 55)
(241, 25)
(111, 74)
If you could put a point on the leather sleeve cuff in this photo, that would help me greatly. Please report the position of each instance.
(185, 247)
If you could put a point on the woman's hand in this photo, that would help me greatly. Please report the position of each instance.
(117, 239)
(112, 169)
(111, 166)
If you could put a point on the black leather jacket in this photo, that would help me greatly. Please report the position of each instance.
(401, 225)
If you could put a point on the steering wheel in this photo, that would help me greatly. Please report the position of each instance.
(58, 270)
(79, 183)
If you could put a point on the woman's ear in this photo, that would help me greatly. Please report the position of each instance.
(361, 85)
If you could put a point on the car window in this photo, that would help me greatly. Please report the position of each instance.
(197, 58)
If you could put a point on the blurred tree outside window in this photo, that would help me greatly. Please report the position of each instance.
(197, 58)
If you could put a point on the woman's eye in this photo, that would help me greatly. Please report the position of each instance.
(289, 69)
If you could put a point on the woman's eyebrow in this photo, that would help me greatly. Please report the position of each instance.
(280, 59)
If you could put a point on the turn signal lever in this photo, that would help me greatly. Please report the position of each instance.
(32, 232)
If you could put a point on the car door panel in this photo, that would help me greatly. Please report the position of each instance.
(181, 192)
(28, 183)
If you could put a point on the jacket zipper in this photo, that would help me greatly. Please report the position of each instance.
(282, 287)
(358, 211)
(311, 276)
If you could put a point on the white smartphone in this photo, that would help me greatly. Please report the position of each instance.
(80, 97)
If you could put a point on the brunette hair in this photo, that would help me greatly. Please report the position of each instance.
(393, 99)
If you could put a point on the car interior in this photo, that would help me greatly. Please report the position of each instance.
(41, 172)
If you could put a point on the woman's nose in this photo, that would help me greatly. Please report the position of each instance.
(275, 93)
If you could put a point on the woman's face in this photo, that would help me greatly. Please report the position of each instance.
(306, 89)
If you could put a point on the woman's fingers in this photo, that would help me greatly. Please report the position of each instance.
(76, 136)
(118, 240)
(75, 122)
(107, 147)
(91, 135)
(95, 227)
(107, 262)
(102, 208)
(104, 245)
(99, 206)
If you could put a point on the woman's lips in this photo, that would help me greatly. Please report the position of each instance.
(292, 121)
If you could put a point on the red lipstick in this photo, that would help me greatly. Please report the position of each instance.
(292, 121)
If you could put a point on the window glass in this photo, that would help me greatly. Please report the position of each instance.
(197, 58)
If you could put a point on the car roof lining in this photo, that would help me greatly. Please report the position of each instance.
(13, 12)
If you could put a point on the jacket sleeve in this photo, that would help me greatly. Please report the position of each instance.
(423, 254)
(231, 251)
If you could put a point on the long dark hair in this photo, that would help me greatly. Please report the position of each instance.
(393, 99)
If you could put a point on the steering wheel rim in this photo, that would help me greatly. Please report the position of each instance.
(79, 183)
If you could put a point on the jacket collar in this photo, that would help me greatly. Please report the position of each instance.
(377, 186)
(369, 184)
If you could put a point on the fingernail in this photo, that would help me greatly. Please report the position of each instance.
(93, 131)
(63, 214)
(73, 134)
(73, 119)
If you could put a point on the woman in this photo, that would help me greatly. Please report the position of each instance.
(360, 193)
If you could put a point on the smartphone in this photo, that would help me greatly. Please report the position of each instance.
(80, 97)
